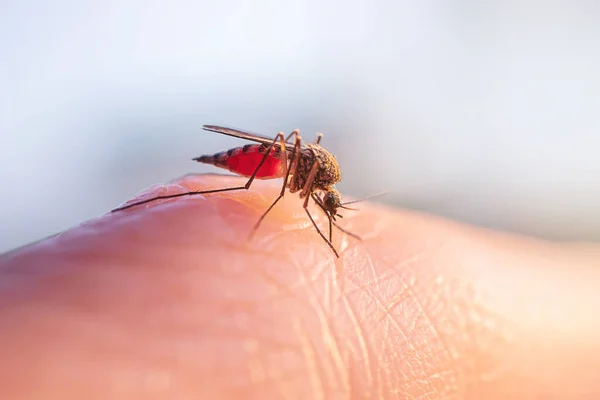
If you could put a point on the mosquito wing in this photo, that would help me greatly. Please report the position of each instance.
(244, 135)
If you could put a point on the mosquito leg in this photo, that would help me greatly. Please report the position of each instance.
(307, 189)
(318, 139)
(354, 235)
(295, 133)
(289, 171)
(321, 233)
(330, 219)
(192, 193)
(318, 201)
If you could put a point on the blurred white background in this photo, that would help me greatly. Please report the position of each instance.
(486, 113)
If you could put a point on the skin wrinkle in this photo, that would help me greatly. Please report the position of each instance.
(418, 370)
(428, 368)
(447, 349)
(359, 287)
(375, 297)
(402, 376)
(365, 349)
(328, 335)
(380, 387)
(321, 268)
(397, 300)
(353, 389)
(315, 369)
(387, 312)
(376, 279)
(356, 323)
(326, 368)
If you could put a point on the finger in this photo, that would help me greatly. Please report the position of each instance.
(165, 289)
(169, 300)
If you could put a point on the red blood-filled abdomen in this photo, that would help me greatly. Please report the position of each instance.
(244, 161)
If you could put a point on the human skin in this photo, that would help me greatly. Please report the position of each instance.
(170, 301)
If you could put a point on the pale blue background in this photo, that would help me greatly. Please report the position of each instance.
(484, 112)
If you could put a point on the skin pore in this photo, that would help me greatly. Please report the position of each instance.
(169, 300)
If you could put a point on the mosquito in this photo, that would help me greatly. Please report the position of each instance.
(306, 167)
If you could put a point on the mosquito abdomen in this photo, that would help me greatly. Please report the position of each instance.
(244, 161)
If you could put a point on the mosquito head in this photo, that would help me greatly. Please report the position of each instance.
(332, 200)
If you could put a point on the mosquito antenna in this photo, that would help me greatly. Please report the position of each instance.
(363, 199)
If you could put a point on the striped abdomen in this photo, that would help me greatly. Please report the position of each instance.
(244, 161)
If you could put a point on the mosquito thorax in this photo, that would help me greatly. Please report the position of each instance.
(329, 172)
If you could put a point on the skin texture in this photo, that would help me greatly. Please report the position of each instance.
(169, 301)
